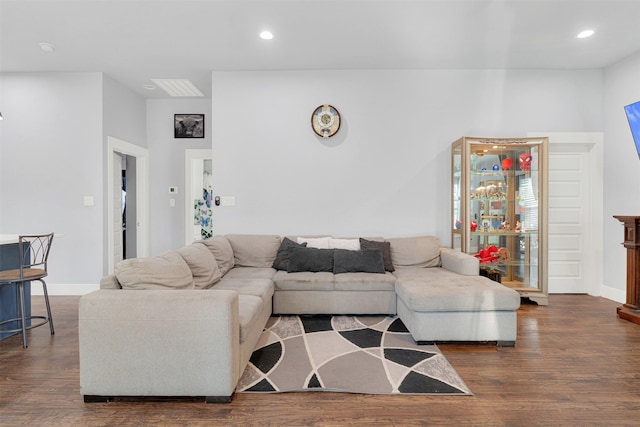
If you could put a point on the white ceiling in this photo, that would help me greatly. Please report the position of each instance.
(134, 41)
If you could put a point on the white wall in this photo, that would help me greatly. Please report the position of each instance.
(166, 168)
(124, 115)
(387, 170)
(621, 169)
(50, 158)
(385, 173)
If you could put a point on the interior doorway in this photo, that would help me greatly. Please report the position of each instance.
(575, 212)
(198, 212)
(127, 214)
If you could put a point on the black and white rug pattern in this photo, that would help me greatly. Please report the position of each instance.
(355, 354)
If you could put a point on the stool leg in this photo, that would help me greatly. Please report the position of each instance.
(21, 307)
(46, 301)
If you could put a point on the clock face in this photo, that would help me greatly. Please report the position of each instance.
(325, 121)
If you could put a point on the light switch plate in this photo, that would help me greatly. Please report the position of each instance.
(88, 201)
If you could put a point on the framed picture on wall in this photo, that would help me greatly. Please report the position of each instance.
(188, 125)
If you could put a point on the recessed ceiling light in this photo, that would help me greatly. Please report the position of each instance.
(266, 35)
(586, 33)
(47, 47)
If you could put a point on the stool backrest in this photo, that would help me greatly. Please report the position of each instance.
(34, 251)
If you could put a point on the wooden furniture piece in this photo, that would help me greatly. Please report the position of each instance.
(33, 253)
(499, 208)
(631, 310)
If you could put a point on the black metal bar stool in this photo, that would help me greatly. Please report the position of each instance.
(34, 252)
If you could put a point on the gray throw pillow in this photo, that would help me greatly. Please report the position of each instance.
(310, 259)
(384, 247)
(362, 261)
(282, 257)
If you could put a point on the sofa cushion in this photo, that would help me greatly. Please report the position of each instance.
(166, 271)
(427, 275)
(365, 282)
(282, 257)
(350, 244)
(202, 263)
(364, 261)
(423, 251)
(262, 288)
(249, 308)
(250, 273)
(310, 259)
(254, 250)
(439, 290)
(303, 281)
(222, 252)
(385, 247)
(315, 242)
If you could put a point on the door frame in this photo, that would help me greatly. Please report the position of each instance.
(590, 143)
(190, 155)
(141, 154)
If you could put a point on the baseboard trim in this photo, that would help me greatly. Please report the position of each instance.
(613, 294)
(65, 289)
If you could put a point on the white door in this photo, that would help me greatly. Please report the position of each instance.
(568, 229)
(117, 208)
(575, 213)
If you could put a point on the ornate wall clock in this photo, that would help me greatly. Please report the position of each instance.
(325, 121)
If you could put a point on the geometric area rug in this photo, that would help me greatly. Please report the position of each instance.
(353, 354)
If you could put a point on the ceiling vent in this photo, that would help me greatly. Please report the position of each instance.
(177, 87)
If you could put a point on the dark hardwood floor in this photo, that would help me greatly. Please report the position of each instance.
(575, 363)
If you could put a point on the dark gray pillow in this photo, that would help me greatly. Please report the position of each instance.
(310, 259)
(362, 261)
(282, 257)
(384, 247)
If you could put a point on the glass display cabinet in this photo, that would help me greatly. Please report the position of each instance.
(499, 209)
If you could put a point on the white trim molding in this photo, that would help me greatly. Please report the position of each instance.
(614, 294)
(593, 143)
(141, 154)
(62, 289)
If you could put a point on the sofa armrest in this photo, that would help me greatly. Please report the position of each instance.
(459, 262)
(159, 343)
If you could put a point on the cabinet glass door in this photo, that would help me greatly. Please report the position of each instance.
(456, 187)
(499, 208)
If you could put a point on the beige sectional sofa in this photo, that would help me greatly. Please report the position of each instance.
(186, 322)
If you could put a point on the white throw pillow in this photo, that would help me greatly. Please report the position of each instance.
(349, 244)
(315, 242)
